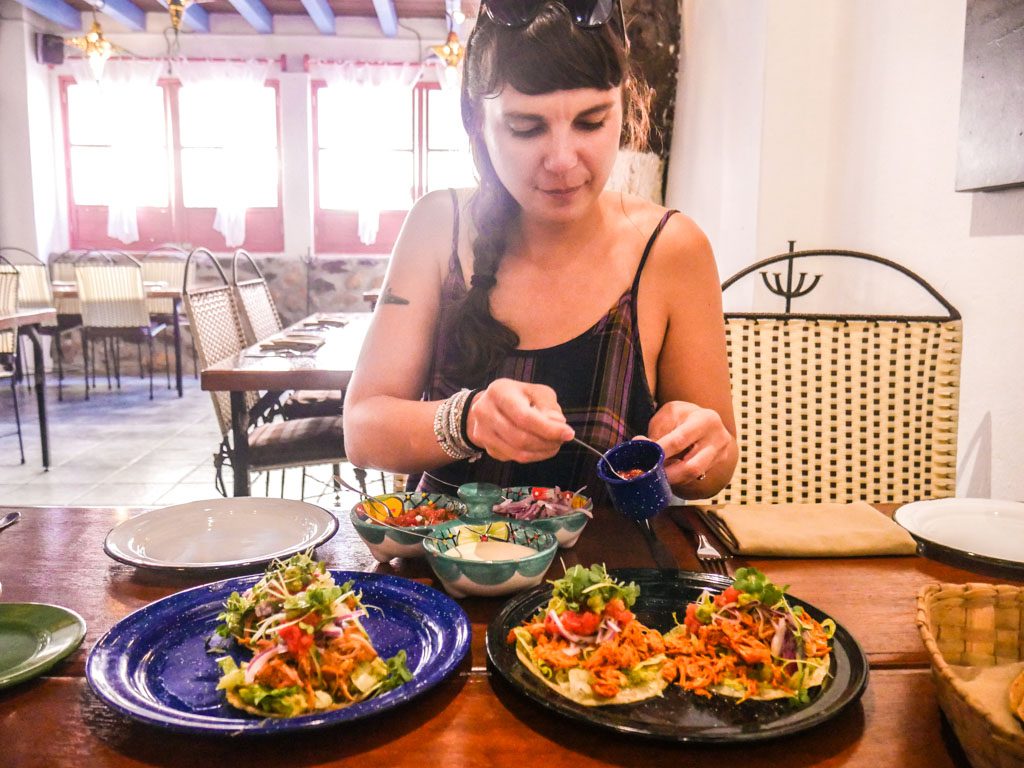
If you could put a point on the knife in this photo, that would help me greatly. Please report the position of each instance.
(663, 558)
(9, 519)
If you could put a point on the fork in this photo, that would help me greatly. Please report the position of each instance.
(710, 559)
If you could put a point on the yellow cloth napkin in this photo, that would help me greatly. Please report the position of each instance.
(814, 530)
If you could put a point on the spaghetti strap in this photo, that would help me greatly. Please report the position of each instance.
(454, 264)
(650, 244)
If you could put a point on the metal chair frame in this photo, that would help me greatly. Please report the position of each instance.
(842, 407)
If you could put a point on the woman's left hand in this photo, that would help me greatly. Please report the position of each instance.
(694, 439)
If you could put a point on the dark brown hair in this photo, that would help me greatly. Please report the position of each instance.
(549, 54)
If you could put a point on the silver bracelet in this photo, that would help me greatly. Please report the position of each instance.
(447, 420)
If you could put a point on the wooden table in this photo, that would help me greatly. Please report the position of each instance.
(55, 555)
(154, 290)
(30, 320)
(255, 369)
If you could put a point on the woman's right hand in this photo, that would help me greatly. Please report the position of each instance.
(515, 421)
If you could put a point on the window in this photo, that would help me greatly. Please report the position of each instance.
(179, 160)
(403, 147)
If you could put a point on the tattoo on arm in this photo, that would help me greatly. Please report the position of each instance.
(391, 298)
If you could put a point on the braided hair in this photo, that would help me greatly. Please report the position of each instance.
(549, 54)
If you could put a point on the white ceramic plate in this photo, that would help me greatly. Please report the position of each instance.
(986, 529)
(219, 534)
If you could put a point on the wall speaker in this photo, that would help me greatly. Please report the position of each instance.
(49, 49)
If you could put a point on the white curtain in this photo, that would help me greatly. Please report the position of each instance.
(230, 87)
(367, 84)
(124, 83)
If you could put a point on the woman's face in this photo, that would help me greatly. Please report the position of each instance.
(553, 152)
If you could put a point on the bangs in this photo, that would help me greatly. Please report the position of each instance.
(550, 54)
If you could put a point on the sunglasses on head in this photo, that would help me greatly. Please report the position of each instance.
(585, 13)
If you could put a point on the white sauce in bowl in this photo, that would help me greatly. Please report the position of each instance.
(490, 550)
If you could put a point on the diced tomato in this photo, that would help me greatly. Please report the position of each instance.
(297, 639)
(730, 595)
(616, 611)
(539, 493)
(691, 621)
(583, 623)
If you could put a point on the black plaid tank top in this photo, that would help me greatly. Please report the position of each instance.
(599, 377)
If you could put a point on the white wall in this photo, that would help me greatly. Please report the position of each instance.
(857, 120)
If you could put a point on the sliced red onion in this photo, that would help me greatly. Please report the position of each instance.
(779, 637)
(260, 660)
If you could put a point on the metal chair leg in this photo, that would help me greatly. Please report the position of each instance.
(17, 417)
(361, 478)
(167, 361)
(115, 348)
(60, 367)
(106, 363)
(150, 367)
(85, 358)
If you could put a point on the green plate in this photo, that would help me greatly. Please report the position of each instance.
(34, 637)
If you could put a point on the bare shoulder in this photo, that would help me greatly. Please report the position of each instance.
(680, 245)
(425, 241)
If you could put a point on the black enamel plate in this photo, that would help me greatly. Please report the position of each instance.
(679, 715)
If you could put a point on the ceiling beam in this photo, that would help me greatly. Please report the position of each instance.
(387, 17)
(256, 13)
(124, 12)
(196, 18)
(56, 11)
(321, 14)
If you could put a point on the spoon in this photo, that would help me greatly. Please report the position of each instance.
(599, 453)
(9, 519)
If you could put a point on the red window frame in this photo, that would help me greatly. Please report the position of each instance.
(87, 224)
(338, 231)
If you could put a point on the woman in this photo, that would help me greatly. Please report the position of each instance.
(542, 307)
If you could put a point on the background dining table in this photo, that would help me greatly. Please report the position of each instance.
(55, 555)
(254, 369)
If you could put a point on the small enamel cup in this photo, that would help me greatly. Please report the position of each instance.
(641, 497)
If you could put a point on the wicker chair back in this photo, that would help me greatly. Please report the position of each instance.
(165, 264)
(110, 291)
(34, 281)
(215, 327)
(255, 303)
(62, 268)
(843, 408)
(8, 302)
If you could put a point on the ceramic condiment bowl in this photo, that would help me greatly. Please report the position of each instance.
(386, 543)
(565, 528)
(489, 559)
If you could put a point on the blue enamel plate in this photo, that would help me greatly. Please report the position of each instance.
(153, 665)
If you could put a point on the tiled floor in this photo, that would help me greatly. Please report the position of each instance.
(120, 448)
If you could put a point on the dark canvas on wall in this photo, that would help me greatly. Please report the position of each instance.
(654, 34)
(990, 152)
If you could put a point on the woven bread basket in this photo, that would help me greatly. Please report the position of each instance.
(978, 625)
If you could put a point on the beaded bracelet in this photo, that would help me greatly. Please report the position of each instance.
(447, 427)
